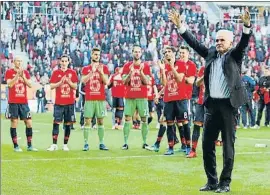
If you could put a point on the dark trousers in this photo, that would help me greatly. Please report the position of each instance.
(219, 116)
(261, 106)
(267, 113)
(247, 108)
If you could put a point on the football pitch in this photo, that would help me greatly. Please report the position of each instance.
(118, 172)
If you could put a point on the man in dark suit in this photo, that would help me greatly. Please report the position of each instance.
(224, 94)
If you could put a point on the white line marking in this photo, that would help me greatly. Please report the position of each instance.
(259, 139)
(112, 157)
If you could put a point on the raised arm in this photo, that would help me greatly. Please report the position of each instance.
(199, 81)
(26, 81)
(11, 82)
(178, 20)
(239, 50)
(162, 73)
(127, 76)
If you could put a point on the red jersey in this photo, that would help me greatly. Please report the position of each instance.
(64, 94)
(256, 96)
(174, 90)
(135, 88)
(266, 96)
(118, 87)
(150, 89)
(202, 87)
(18, 93)
(95, 88)
(190, 71)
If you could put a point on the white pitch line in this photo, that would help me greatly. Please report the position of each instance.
(112, 157)
(250, 138)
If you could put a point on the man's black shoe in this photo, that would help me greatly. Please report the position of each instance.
(222, 189)
(209, 187)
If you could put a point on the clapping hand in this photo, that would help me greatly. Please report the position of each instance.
(63, 79)
(141, 68)
(20, 72)
(100, 69)
(131, 68)
(161, 65)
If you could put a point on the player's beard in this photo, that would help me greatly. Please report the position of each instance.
(95, 61)
(136, 59)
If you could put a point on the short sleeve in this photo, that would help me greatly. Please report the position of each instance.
(180, 67)
(125, 69)
(201, 72)
(8, 75)
(191, 70)
(54, 77)
(84, 71)
(74, 78)
(146, 70)
(106, 70)
(27, 75)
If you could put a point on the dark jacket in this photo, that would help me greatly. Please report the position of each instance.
(40, 93)
(231, 67)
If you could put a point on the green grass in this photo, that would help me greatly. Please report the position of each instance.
(131, 172)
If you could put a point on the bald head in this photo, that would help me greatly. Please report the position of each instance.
(17, 62)
(224, 39)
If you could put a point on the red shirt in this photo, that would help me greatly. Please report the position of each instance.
(118, 87)
(190, 71)
(256, 96)
(18, 93)
(64, 94)
(95, 88)
(202, 87)
(135, 88)
(174, 90)
(150, 89)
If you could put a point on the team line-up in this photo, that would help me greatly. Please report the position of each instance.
(221, 93)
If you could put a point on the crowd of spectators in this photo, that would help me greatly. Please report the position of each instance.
(46, 30)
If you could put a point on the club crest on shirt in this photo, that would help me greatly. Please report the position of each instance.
(95, 85)
(172, 85)
(135, 81)
(65, 89)
(20, 89)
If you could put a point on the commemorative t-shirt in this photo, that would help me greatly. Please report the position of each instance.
(118, 87)
(95, 88)
(135, 88)
(64, 94)
(18, 93)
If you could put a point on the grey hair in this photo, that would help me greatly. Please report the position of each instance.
(229, 34)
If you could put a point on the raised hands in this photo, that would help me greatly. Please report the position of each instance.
(63, 79)
(161, 65)
(176, 18)
(100, 69)
(141, 67)
(245, 18)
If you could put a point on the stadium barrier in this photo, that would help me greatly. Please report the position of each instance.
(31, 95)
